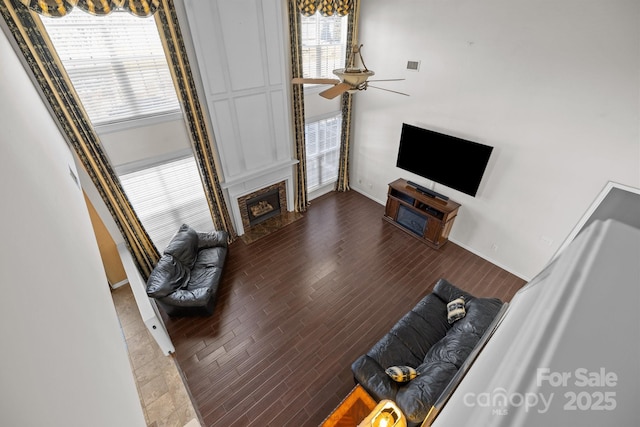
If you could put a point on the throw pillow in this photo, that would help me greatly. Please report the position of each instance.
(401, 374)
(455, 310)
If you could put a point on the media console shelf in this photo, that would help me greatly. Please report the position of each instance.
(428, 218)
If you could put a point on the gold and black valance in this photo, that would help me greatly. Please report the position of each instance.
(325, 7)
(57, 8)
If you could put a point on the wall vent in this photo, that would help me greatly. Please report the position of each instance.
(413, 65)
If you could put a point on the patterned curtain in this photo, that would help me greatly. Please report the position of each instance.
(342, 184)
(326, 8)
(301, 201)
(201, 142)
(34, 44)
(345, 138)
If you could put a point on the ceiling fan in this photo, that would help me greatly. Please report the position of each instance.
(351, 79)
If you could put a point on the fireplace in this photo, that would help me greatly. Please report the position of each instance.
(263, 207)
(263, 204)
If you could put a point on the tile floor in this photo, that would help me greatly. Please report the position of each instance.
(163, 395)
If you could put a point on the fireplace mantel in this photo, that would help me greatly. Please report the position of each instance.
(249, 176)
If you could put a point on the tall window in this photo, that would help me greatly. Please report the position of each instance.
(323, 151)
(324, 45)
(116, 64)
(118, 67)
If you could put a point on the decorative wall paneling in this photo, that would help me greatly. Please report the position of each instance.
(241, 50)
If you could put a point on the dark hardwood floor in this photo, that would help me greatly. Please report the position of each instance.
(297, 307)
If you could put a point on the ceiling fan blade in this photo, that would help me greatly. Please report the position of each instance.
(386, 80)
(338, 89)
(389, 90)
(301, 80)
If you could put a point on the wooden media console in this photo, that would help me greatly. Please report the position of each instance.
(425, 217)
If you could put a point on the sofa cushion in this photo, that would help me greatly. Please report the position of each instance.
(480, 312)
(417, 331)
(394, 350)
(184, 246)
(416, 397)
(202, 286)
(211, 257)
(433, 314)
(411, 337)
(213, 239)
(373, 378)
(167, 276)
(204, 277)
(463, 336)
(453, 348)
(189, 297)
(448, 292)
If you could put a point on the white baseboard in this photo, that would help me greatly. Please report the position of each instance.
(120, 283)
(492, 261)
(462, 245)
(367, 195)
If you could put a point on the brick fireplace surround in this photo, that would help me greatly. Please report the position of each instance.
(256, 195)
(258, 229)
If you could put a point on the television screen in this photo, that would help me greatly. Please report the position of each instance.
(454, 162)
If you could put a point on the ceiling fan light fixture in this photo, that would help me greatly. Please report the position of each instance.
(353, 77)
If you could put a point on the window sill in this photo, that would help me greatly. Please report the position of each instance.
(138, 123)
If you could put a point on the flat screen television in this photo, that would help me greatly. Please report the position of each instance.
(454, 162)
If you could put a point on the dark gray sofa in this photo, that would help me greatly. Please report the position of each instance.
(185, 281)
(423, 339)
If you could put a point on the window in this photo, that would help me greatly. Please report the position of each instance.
(167, 195)
(323, 45)
(323, 151)
(118, 67)
(116, 64)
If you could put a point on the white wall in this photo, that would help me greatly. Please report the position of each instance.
(64, 360)
(552, 85)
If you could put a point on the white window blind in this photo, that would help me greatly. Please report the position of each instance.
(323, 151)
(116, 64)
(323, 45)
(166, 196)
